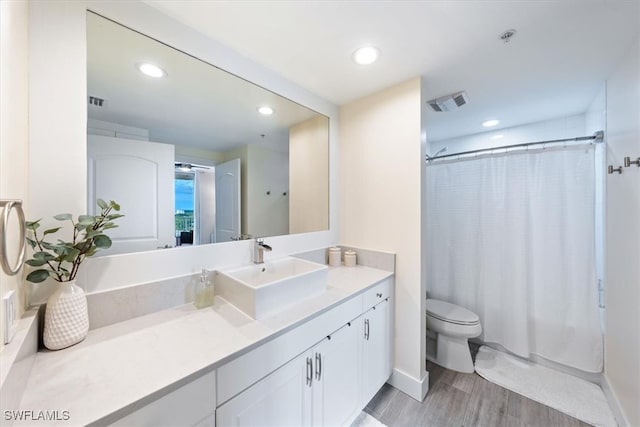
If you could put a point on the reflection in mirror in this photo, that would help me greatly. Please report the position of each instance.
(193, 154)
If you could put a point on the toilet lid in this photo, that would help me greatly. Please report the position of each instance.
(451, 313)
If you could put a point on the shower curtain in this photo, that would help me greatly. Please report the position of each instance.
(511, 237)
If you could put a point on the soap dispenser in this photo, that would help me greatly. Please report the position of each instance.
(204, 291)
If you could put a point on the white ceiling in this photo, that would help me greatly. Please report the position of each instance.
(196, 104)
(560, 56)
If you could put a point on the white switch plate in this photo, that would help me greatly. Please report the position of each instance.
(10, 321)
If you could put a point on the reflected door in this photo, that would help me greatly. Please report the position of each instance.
(139, 176)
(228, 201)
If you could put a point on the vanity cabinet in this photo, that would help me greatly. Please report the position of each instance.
(337, 364)
(319, 387)
(376, 349)
(327, 384)
(190, 405)
(283, 398)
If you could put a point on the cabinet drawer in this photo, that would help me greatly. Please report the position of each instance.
(377, 294)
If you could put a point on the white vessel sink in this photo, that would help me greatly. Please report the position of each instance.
(263, 289)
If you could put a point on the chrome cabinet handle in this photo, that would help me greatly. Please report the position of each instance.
(318, 366)
(628, 162)
(7, 205)
(366, 329)
(309, 371)
(379, 295)
(611, 169)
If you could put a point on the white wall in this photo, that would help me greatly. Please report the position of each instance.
(14, 131)
(115, 130)
(308, 170)
(563, 127)
(380, 205)
(57, 114)
(622, 340)
(58, 124)
(268, 171)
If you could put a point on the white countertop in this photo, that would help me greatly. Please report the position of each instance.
(145, 357)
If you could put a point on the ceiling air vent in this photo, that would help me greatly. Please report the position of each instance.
(449, 102)
(94, 101)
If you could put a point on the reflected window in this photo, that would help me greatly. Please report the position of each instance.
(185, 207)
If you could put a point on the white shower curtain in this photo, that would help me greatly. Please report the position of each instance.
(511, 237)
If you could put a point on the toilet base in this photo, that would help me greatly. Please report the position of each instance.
(453, 353)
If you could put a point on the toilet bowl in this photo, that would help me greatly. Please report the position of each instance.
(454, 325)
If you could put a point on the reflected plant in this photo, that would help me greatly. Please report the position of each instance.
(61, 260)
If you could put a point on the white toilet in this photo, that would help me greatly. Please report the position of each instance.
(454, 325)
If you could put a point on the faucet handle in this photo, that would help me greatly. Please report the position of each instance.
(259, 240)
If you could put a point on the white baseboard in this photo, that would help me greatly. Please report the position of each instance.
(417, 389)
(614, 403)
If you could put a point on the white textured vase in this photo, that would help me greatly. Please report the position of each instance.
(66, 320)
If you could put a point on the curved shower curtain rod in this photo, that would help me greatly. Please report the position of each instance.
(596, 138)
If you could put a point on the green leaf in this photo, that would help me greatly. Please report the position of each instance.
(109, 225)
(45, 256)
(102, 204)
(63, 217)
(35, 262)
(91, 252)
(31, 242)
(114, 216)
(60, 250)
(86, 219)
(114, 205)
(71, 255)
(49, 246)
(32, 225)
(51, 230)
(102, 241)
(38, 276)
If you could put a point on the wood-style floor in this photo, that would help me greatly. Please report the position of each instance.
(457, 399)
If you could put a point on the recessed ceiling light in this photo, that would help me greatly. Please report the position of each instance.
(366, 55)
(490, 123)
(266, 110)
(151, 70)
(498, 136)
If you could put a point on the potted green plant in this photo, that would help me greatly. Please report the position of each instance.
(66, 316)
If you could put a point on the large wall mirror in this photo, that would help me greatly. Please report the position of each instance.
(193, 154)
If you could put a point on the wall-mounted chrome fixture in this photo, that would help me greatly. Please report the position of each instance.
(611, 169)
(6, 206)
(628, 162)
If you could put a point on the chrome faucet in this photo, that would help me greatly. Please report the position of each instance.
(258, 250)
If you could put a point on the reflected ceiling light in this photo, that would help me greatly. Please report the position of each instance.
(266, 110)
(498, 136)
(490, 123)
(151, 70)
(366, 55)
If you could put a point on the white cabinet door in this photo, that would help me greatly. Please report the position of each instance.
(376, 361)
(281, 399)
(337, 372)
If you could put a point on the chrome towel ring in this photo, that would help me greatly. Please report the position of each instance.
(6, 206)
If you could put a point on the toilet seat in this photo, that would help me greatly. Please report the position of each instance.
(451, 313)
